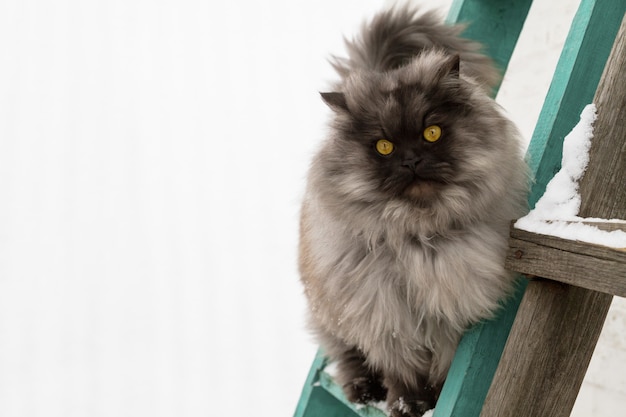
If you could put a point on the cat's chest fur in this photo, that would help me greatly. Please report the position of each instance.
(384, 290)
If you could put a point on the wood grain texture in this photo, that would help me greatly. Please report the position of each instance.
(558, 325)
(582, 264)
(548, 351)
(604, 179)
(576, 246)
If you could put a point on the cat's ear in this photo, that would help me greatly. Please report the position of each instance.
(336, 101)
(451, 67)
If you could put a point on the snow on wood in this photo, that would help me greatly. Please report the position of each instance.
(556, 213)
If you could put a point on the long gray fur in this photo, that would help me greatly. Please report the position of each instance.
(393, 37)
(394, 278)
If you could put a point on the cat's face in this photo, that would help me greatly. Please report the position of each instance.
(409, 131)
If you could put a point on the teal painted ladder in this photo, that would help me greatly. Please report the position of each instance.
(497, 25)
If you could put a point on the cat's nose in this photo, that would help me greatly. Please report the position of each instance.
(411, 163)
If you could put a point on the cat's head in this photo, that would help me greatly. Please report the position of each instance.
(414, 133)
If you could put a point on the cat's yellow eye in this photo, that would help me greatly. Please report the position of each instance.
(432, 133)
(384, 147)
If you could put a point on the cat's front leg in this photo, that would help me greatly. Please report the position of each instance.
(407, 400)
(361, 384)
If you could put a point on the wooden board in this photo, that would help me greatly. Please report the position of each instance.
(606, 173)
(548, 351)
(572, 262)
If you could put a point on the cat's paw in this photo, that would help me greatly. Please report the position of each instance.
(363, 390)
(409, 408)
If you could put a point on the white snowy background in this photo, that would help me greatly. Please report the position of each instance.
(152, 157)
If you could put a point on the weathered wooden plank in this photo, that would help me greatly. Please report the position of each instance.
(570, 266)
(607, 226)
(606, 173)
(574, 246)
(558, 325)
(548, 351)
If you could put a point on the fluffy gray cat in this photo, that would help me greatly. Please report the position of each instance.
(405, 218)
